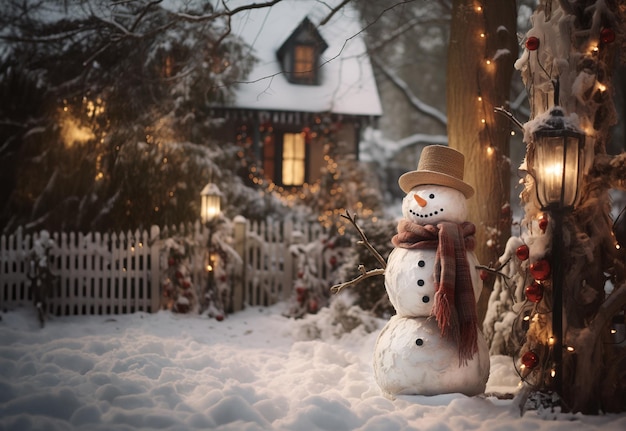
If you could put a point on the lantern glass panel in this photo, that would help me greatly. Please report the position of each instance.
(557, 169)
(211, 203)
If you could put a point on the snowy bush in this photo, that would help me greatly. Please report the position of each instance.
(340, 317)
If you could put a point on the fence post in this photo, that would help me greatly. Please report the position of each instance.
(155, 269)
(293, 237)
(240, 247)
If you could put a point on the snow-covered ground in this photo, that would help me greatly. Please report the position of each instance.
(252, 371)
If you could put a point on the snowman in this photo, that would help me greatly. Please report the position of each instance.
(433, 345)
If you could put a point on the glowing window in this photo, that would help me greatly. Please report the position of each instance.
(304, 63)
(293, 159)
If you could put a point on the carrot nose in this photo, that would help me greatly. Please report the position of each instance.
(421, 202)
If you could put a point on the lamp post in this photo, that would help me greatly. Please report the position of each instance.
(210, 209)
(558, 162)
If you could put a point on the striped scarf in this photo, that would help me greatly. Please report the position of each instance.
(455, 304)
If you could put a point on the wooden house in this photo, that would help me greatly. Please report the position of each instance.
(312, 83)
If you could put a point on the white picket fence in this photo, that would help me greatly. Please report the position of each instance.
(121, 273)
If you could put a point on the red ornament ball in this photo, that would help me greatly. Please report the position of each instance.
(543, 222)
(607, 35)
(534, 292)
(540, 270)
(532, 43)
(522, 252)
(484, 275)
(530, 359)
(219, 317)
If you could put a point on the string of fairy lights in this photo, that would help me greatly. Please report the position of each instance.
(485, 68)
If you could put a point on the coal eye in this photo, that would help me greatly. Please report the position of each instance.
(419, 342)
(432, 196)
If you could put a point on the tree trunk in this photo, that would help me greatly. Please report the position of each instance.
(483, 48)
(582, 37)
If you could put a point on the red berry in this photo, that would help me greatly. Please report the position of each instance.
(333, 261)
(483, 275)
(607, 35)
(530, 359)
(522, 252)
(540, 270)
(219, 317)
(543, 222)
(534, 292)
(532, 43)
(312, 306)
(171, 261)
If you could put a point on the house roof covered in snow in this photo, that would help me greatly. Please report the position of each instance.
(346, 81)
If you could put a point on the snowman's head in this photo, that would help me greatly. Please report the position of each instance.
(430, 204)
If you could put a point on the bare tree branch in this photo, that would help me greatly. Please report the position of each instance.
(364, 275)
(334, 11)
(509, 115)
(364, 241)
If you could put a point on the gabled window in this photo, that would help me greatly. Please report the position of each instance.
(300, 54)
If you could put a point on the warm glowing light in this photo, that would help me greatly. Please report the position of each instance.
(512, 132)
(613, 331)
(490, 151)
(209, 267)
(617, 247)
(479, 8)
(480, 99)
(482, 120)
(482, 35)
(488, 62)
(551, 341)
(526, 318)
(601, 87)
(72, 132)
(570, 349)
(553, 372)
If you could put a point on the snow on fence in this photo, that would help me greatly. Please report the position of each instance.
(122, 273)
(93, 273)
(270, 265)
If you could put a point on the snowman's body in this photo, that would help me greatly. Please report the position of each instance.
(411, 356)
(410, 283)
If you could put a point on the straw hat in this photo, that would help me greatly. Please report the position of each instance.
(438, 165)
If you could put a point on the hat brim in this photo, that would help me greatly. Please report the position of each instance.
(417, 178)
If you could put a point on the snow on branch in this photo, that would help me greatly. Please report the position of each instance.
(422, 107)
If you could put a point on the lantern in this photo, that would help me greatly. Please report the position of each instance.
(558, 161)
(211, 202)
